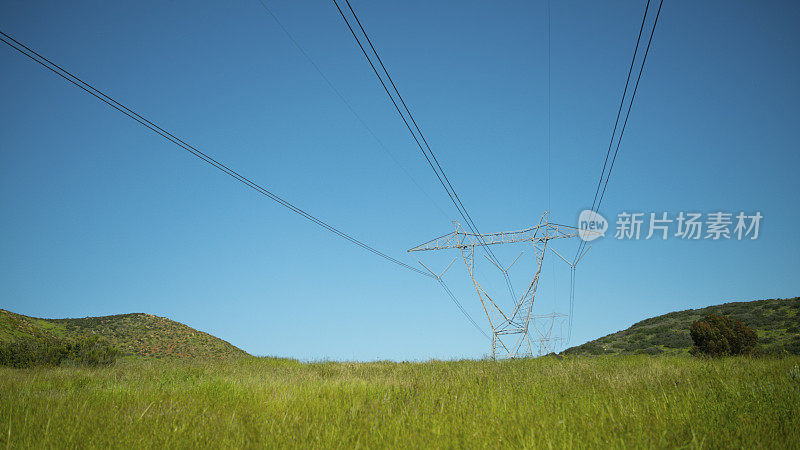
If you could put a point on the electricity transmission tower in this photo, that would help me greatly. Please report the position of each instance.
(510, 331)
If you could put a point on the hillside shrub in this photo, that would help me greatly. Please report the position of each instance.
(591, 348)
(794, 346)
(718, 335)
(759, 320)
(650, 351)
(48, 351)
(630, 346)
(676, 339)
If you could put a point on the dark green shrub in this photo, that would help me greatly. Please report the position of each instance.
(591, 348)
(594, 348)
(718, 335)
(91, 351)
(793, 347)
(650, 351)
(50, 351)
(629, 346)
(677, 339)
(31, 352)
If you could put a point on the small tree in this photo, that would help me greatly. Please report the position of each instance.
(718, 335)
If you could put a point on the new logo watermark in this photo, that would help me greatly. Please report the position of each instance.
(714, 226)
(591, 225)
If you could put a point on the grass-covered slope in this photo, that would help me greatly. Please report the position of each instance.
(133, 334)
(777, 322)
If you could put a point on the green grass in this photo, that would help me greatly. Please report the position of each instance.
(777, 322)
(133, 334)
(621, 402)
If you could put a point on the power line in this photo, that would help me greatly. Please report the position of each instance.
(460, 307)
(429, 155)
(616, 122)
(380, 143)
(549, 148)
(619, 140)
(347, 104)
(549, 157)
(60, 71)
(432, 161)
(468, 218)
(440, 175)
(25, 50)
(635, 88)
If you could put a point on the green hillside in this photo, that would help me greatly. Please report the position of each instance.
(133, 334)
(777, 322)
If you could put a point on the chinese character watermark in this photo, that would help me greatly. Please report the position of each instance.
(713, 226)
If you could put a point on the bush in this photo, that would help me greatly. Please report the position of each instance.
(592, 348)
(650, 351)
(84, 351)
(718, 335)
(31, 352)
(793, 347)
(676, 339)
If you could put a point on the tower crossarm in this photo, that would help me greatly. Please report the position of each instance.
(462, 239)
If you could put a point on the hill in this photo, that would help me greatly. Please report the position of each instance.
(777, 322)
(133, 334)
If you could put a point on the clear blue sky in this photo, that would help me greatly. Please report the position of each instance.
(100, 216)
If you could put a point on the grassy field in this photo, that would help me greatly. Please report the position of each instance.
(622, 401)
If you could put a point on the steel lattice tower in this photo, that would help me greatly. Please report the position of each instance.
(510, 331)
